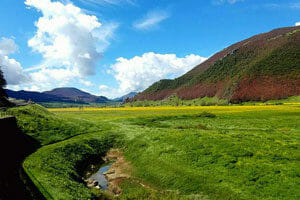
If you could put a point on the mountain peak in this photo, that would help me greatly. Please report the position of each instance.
(263, 67)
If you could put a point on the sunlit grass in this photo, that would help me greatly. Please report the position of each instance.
(214, 152)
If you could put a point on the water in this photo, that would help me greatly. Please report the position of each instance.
(99, 176)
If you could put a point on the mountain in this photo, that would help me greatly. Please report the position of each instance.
(76, 95)
(68, 95)
(34, 96)
(263, 67)
(123, 98)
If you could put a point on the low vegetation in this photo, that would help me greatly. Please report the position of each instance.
(46, 127)
(57, 169)
(76, 105)
(176, 101)
(200, 152)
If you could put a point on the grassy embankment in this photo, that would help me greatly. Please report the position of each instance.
(67, 145)
(216, 152)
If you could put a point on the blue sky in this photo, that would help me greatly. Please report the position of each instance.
(112, 47)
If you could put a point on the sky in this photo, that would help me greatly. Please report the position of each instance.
(113, 47)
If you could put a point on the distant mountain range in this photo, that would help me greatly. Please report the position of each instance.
(123, 98)
(65, 94)
(263, 67)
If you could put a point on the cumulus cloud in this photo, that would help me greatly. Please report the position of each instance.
(138, 73)
(12, 69)
(70, 41)
(297, 24)
(66, 35)
(151, 20)
(47, 78)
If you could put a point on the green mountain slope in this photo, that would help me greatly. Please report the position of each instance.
(263, 67)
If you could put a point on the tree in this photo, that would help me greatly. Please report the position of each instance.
(2, 80)
(3, 96)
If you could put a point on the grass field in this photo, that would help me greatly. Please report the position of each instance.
(205, 152)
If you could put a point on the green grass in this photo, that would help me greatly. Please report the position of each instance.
(70, 105)
(48, 128)
(176, 101)
(289, 100)
(55, 169)
(201, 153)
(254, 158)
(205, 101)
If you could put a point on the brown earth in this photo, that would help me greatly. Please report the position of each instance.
(118, 171)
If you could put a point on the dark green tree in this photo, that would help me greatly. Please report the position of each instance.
(2, 83)
(3, 96)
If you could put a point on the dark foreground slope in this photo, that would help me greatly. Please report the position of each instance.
(263, 67)
(14, 147)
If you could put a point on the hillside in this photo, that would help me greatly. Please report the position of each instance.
(34, 96)
(263, 67)
(67, 95)
(76, 95)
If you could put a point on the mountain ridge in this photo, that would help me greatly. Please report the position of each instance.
(263, 67)
(76, 95)
(64, 94)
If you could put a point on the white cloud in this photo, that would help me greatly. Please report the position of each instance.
(106, 2)
(297, 24)
(138, 73)
(45, 79)
(12, 69)
(70, 41)
(68, 37)
(86, 83)
(7, 46)
(151, 20)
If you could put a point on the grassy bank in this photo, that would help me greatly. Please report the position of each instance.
(200, 152)
(46, 127)
(56, 169)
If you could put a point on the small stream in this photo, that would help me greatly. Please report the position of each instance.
(98, 179)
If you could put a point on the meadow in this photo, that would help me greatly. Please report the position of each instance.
(196, 152)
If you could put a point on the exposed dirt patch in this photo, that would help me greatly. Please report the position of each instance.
(118, 171)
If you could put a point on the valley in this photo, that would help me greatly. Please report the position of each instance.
(202, 152)
(227, 129)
